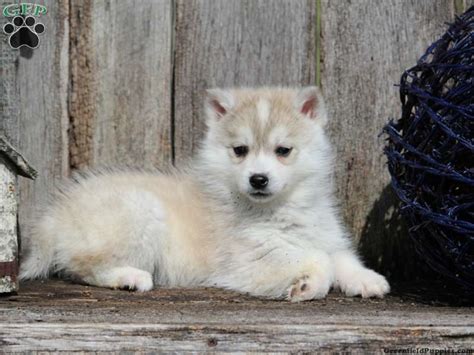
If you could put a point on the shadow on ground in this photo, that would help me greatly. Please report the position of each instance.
(386, 246)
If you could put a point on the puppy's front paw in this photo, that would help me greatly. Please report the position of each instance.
(125, 277)
(365, 283)
(135, 279)
(308, 288)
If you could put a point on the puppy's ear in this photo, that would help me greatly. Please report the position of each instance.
(218, 103)
(309, 102)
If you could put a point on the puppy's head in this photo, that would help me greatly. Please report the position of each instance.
(262, 143)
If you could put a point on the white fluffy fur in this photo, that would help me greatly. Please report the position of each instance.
(203, 226)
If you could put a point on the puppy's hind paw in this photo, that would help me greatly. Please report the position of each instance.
(307, 288)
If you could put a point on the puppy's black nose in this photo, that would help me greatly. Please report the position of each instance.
(258, 181)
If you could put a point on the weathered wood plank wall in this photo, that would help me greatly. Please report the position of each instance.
(237, 43)
(121, 65)
(366, 45)
(34, 116)
(462, 5)
(8, 227)
(117, 83)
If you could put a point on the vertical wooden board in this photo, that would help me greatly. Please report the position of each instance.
(9, 108)
(237, 43)
(121, 83)
(37, 104)
(462, 5)
(8, 228)
(366, 45)
(81, 84)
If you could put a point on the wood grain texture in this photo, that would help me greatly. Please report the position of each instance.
(462, 5)
(121, 83)
(9, 103)
(366, 45)
(82, 83)
(8, 224)
(237, 43)
(178, 338)
(82, 318)
(37, 108)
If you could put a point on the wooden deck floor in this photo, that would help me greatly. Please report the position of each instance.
(59, 316)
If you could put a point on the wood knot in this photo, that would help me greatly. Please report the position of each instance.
(211, 342)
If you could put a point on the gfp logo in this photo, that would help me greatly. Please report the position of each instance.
(23, 28)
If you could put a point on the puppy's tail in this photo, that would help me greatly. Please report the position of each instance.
(40, 252)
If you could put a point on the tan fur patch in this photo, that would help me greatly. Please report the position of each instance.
(252, 105)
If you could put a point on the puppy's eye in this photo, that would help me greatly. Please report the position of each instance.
(283, 151)
(241, 150)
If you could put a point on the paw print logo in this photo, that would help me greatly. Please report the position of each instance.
(23, 32)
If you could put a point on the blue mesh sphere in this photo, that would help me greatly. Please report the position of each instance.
(430, 153)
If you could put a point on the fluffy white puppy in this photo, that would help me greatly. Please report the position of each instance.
(254, 212)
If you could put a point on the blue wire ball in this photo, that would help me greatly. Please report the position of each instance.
(430, 153)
